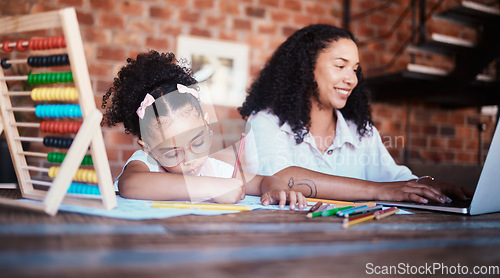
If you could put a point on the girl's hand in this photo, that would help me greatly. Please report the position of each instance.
(281, 196)
(235, 192)
(409, 191)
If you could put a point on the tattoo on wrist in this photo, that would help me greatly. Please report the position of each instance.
(306, 186)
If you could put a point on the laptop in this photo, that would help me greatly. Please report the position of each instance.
(487, 195)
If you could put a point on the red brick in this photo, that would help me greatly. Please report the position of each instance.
(288, 31)
(111, 21)
(294, 5)
(111, 53)
(276, 42)
(229, 7)
(440, 118)
(14, 8)
(465, 157)
(71, 3)
(255, 12)
(438, 143)
(132, 8)
(455, 143)
(268, 28)
(242, 24)
(101, 86)
(113, 153)
(99, 69)
(98, 35)
(228, 35)
(215, 21)
(303, 19)
(157, 43)
(315, 9)
(105, 5)
(85, 18)
(41, 8)
(201, 32)
(178, 3)
(128, 39)
(170, 29)
(271, 3)
(203, 4)
(256, 41)
(163, 13)
(142, 25)
(189, 16)
(280, 16)
(114, 138)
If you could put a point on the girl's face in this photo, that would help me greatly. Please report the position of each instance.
(335, 73)
(185, 143)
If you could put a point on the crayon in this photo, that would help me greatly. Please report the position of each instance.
(348, 223)
(351, 210)
(391, 211)
(334, 211)
(180, 205)
(363, 211)
(315, 207)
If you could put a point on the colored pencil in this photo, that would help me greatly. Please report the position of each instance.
(356, 217)
(180, 205)
(381, 214)
(351, 210)
(238, 156)
(348, 223)
(315, 207)
(334, 211)
(363, 211)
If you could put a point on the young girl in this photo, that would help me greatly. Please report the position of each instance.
(152, 98)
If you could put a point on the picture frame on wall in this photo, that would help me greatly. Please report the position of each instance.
(222, 65)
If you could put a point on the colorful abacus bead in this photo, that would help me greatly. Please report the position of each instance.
(48, 61)
(57, 142)
(4, 63)
(82, 188)
(60, 127)
(46, 43)
(82, 175)
(54, 94)
(50, 78)
(6, 47)
(20, 46)
(58, 111)
(55, 157)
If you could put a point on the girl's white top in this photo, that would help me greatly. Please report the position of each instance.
(211, 168)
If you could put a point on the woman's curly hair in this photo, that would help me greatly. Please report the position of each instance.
(286, 83)
(153, 73)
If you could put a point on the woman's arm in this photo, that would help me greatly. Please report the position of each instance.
(318, 185)
(137, 182)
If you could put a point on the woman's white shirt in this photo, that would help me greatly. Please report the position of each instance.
(272, 148)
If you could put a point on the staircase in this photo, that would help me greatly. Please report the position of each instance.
(464, 85)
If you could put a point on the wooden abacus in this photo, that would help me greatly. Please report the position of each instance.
(44, 195)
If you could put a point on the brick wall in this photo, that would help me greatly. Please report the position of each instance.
(113, 30)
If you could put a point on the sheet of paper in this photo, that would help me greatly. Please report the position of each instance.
(141, 210)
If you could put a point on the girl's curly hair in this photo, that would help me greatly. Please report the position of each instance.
(153, 73)
(286, 83)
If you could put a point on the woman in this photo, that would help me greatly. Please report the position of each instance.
(312, 125)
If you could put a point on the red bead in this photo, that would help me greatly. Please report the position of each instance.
(20, 47)
(6, 46)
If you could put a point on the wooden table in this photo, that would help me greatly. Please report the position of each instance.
(261, 243)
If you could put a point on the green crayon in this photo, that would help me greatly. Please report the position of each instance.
(334, 211)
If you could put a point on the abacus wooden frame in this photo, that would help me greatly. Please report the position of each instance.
(89, 134)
